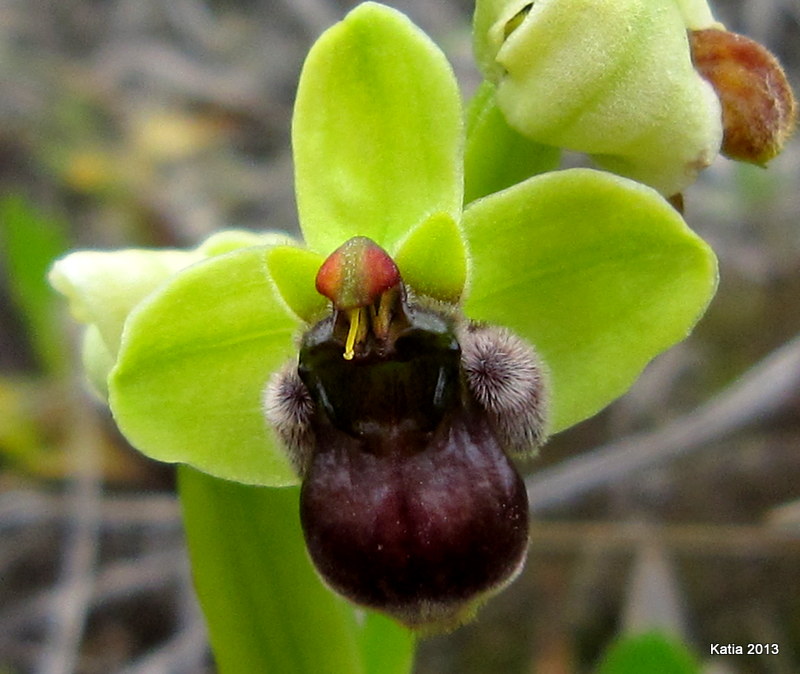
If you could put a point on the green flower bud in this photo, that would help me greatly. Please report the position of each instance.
(612, 78)
(697, 14)
(102, 287)
(97, 361)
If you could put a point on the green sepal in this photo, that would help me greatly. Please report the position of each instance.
(598, 272)
(496, 156)
(193, 362)
(487, 12)
(377, 132)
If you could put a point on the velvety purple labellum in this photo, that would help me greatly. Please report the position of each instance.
(421, 532)
(409, 503)
(399, 418)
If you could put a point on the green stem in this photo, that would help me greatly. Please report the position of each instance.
(267, 610)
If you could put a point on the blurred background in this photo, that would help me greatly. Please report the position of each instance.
(155, 122)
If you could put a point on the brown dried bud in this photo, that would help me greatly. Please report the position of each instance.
(759, 111)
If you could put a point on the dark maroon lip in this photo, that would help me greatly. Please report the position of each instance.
(416, 529)
(410, 504)
(400, 415)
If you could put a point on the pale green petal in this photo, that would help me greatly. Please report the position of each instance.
(697, 15)
(598, 272)
(377, 132)
(97, 361)
(193, 362)
(294, 271)
(103, 287)
(433, 259)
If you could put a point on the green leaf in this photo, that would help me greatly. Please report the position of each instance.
(496, 156)
(433, 259)
(29, 243)
(193, 362)
(651, 652)
(266, 608)
(598, 272)
(376, 132)
(294, 271)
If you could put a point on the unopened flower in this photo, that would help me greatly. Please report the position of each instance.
(612, 78)
(651, 89)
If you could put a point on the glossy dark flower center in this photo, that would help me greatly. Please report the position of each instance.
(410, 504)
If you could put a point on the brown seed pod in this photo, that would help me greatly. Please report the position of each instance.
(759, 111)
